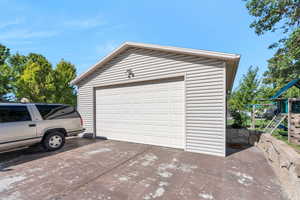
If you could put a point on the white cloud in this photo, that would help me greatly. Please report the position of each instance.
(18, 42)
(26, 34)
(85, 23)
(9, 23)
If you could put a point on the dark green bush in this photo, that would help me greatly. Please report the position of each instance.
(239, 119)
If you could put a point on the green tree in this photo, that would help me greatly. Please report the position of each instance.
(5, 86)
(247, 92)
(4, 54)
(284, 15)
(272, 15)
(33, 77)
(5, 72)
(16, 64)
(36, 81)
(242, 97)
(285, 64)
(63, 74)
(39, 82)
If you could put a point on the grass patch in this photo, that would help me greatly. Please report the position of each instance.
(259, 123)
(230, 122)
(283, 136)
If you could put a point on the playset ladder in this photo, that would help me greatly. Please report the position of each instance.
(274, 123)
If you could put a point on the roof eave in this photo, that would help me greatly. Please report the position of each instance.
(209, 54)
(101, 62)
(234, 65)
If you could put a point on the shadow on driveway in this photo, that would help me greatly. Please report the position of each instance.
(236, 148)
(14, 158)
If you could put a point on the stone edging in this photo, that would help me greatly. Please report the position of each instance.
(285, 162)
(242, 136)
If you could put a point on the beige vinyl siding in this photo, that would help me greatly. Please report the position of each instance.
(85, 106)
(204, 91)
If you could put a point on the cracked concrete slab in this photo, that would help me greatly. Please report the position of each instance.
(104, 169)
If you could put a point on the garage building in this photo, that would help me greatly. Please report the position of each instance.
(159, 95)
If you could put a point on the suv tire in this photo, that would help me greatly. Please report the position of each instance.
(53, 141)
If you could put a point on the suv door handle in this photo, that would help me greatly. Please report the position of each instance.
(32, 125)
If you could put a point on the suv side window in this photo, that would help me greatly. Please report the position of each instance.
(49, 112)
(14, 114)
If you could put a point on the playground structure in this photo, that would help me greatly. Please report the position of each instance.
(287, 109)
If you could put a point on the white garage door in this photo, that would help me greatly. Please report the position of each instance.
(148, 112)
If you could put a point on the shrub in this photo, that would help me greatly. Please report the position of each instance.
(239, 119)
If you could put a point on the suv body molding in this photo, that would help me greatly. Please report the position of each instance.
(20, 140)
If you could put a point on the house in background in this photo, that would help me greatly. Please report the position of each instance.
(159, 95)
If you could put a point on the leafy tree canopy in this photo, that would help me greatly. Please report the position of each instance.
(272, 15)
(5, 72)
(36, 82)
(34, 78)
(4, 54)
(244, 96)
(63, 74)
(247, 92)
(285, 64)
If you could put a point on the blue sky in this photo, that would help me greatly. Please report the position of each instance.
(84, 31)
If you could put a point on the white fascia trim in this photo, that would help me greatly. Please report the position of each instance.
(194, 52)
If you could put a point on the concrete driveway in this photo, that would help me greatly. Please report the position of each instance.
(98, 169)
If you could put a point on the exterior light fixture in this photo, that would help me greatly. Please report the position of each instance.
(130, 74)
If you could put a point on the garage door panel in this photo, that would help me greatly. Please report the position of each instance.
(135, 99)
(113, 117)
(147, 138)
(149, 124)
(150, 88)
(145, 109)
(157, 127)
(151, 112)
(142, 118)
(155, 132)
(145, 113)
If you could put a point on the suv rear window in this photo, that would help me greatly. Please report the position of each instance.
(14, 114)
(57, 112)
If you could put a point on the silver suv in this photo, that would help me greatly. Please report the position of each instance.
(23, 125)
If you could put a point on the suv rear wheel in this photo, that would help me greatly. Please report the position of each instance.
(54, 141)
